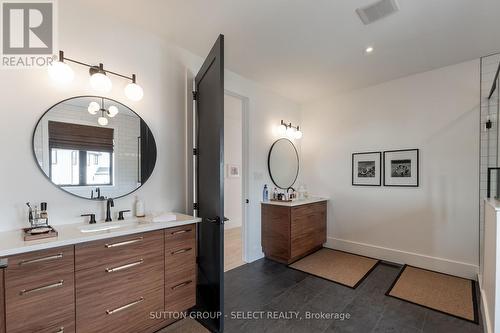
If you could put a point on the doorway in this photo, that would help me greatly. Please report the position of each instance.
(235, 184)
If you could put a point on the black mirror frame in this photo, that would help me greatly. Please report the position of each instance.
(89, 96)
(269, 163)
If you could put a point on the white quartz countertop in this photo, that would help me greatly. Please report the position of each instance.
(296, 202)
(12, 242)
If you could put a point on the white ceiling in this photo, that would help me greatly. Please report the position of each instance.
(305, 49)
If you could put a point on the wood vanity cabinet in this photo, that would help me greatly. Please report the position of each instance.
(292, 232)
(111, 285)
(119, 281)
(39, 292)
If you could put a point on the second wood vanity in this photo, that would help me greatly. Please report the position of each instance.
(109, 285)
(292, 230)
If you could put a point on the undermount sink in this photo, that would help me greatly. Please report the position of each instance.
(106, 226)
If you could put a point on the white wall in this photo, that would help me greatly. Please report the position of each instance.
(433, 226)
(165, 72)
(233, 155)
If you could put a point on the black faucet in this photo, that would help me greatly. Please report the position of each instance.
(109, 203)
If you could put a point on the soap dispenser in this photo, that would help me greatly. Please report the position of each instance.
(139, 208)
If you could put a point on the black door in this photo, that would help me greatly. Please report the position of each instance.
(209, 84)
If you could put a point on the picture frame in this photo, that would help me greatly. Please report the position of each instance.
(367, 169)
(233, 171)
(402, 168)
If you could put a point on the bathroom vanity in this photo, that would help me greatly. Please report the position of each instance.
(292, 230)
(103, 281)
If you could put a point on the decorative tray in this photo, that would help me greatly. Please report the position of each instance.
(39, 233)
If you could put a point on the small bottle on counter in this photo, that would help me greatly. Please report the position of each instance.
(265, 194)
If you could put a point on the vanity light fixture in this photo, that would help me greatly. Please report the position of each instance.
(94, 107)
(292, 132)
(99, 80)
(61, 72)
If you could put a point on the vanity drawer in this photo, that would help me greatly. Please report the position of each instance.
(179, 237)
(138, 274)
(114, 250)
(179, 253)
(180, 292)
(28, 270)
(46, 306)
(127, 312)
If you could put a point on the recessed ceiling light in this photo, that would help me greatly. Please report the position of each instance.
(369, 49)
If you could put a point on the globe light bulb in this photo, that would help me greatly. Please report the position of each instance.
(93, 108)
(113, 111)
(103, 121)
(282, 129)
(60, 72)
(100, 82)
(290, 132)
(298, 134)
(134, 92)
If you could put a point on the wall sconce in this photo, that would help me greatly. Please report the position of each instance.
(293, 132)
(61, 72)
(94, 107)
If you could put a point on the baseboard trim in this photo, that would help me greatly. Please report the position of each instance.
(447, 266)
(254, 257)
(485, 312)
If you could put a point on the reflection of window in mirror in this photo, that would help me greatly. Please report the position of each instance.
(98, 172)
(96, 169)
(64, 171)
(54, 156)
(81, 155)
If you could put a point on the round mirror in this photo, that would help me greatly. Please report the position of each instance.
(94, 147)
(283, 163)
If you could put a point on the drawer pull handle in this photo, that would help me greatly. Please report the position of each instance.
(180, 232)
(33, 261)
(181, 285)
(61, 330)
(182, 251)
(50, 286)
(121, 308)
(132, 241)
(120, 268)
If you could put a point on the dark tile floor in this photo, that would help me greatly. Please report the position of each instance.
(268, 286)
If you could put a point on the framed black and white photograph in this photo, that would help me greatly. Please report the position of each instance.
(366, 169)
(401, 168)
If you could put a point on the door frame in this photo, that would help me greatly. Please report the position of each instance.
(245, 101)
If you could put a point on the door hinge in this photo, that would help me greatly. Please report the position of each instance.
(196, 206)
(195, 151)
(195, 95)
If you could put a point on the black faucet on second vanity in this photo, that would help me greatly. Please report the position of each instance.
(109, 203)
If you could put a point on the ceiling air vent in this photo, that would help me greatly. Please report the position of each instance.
(377, 11)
